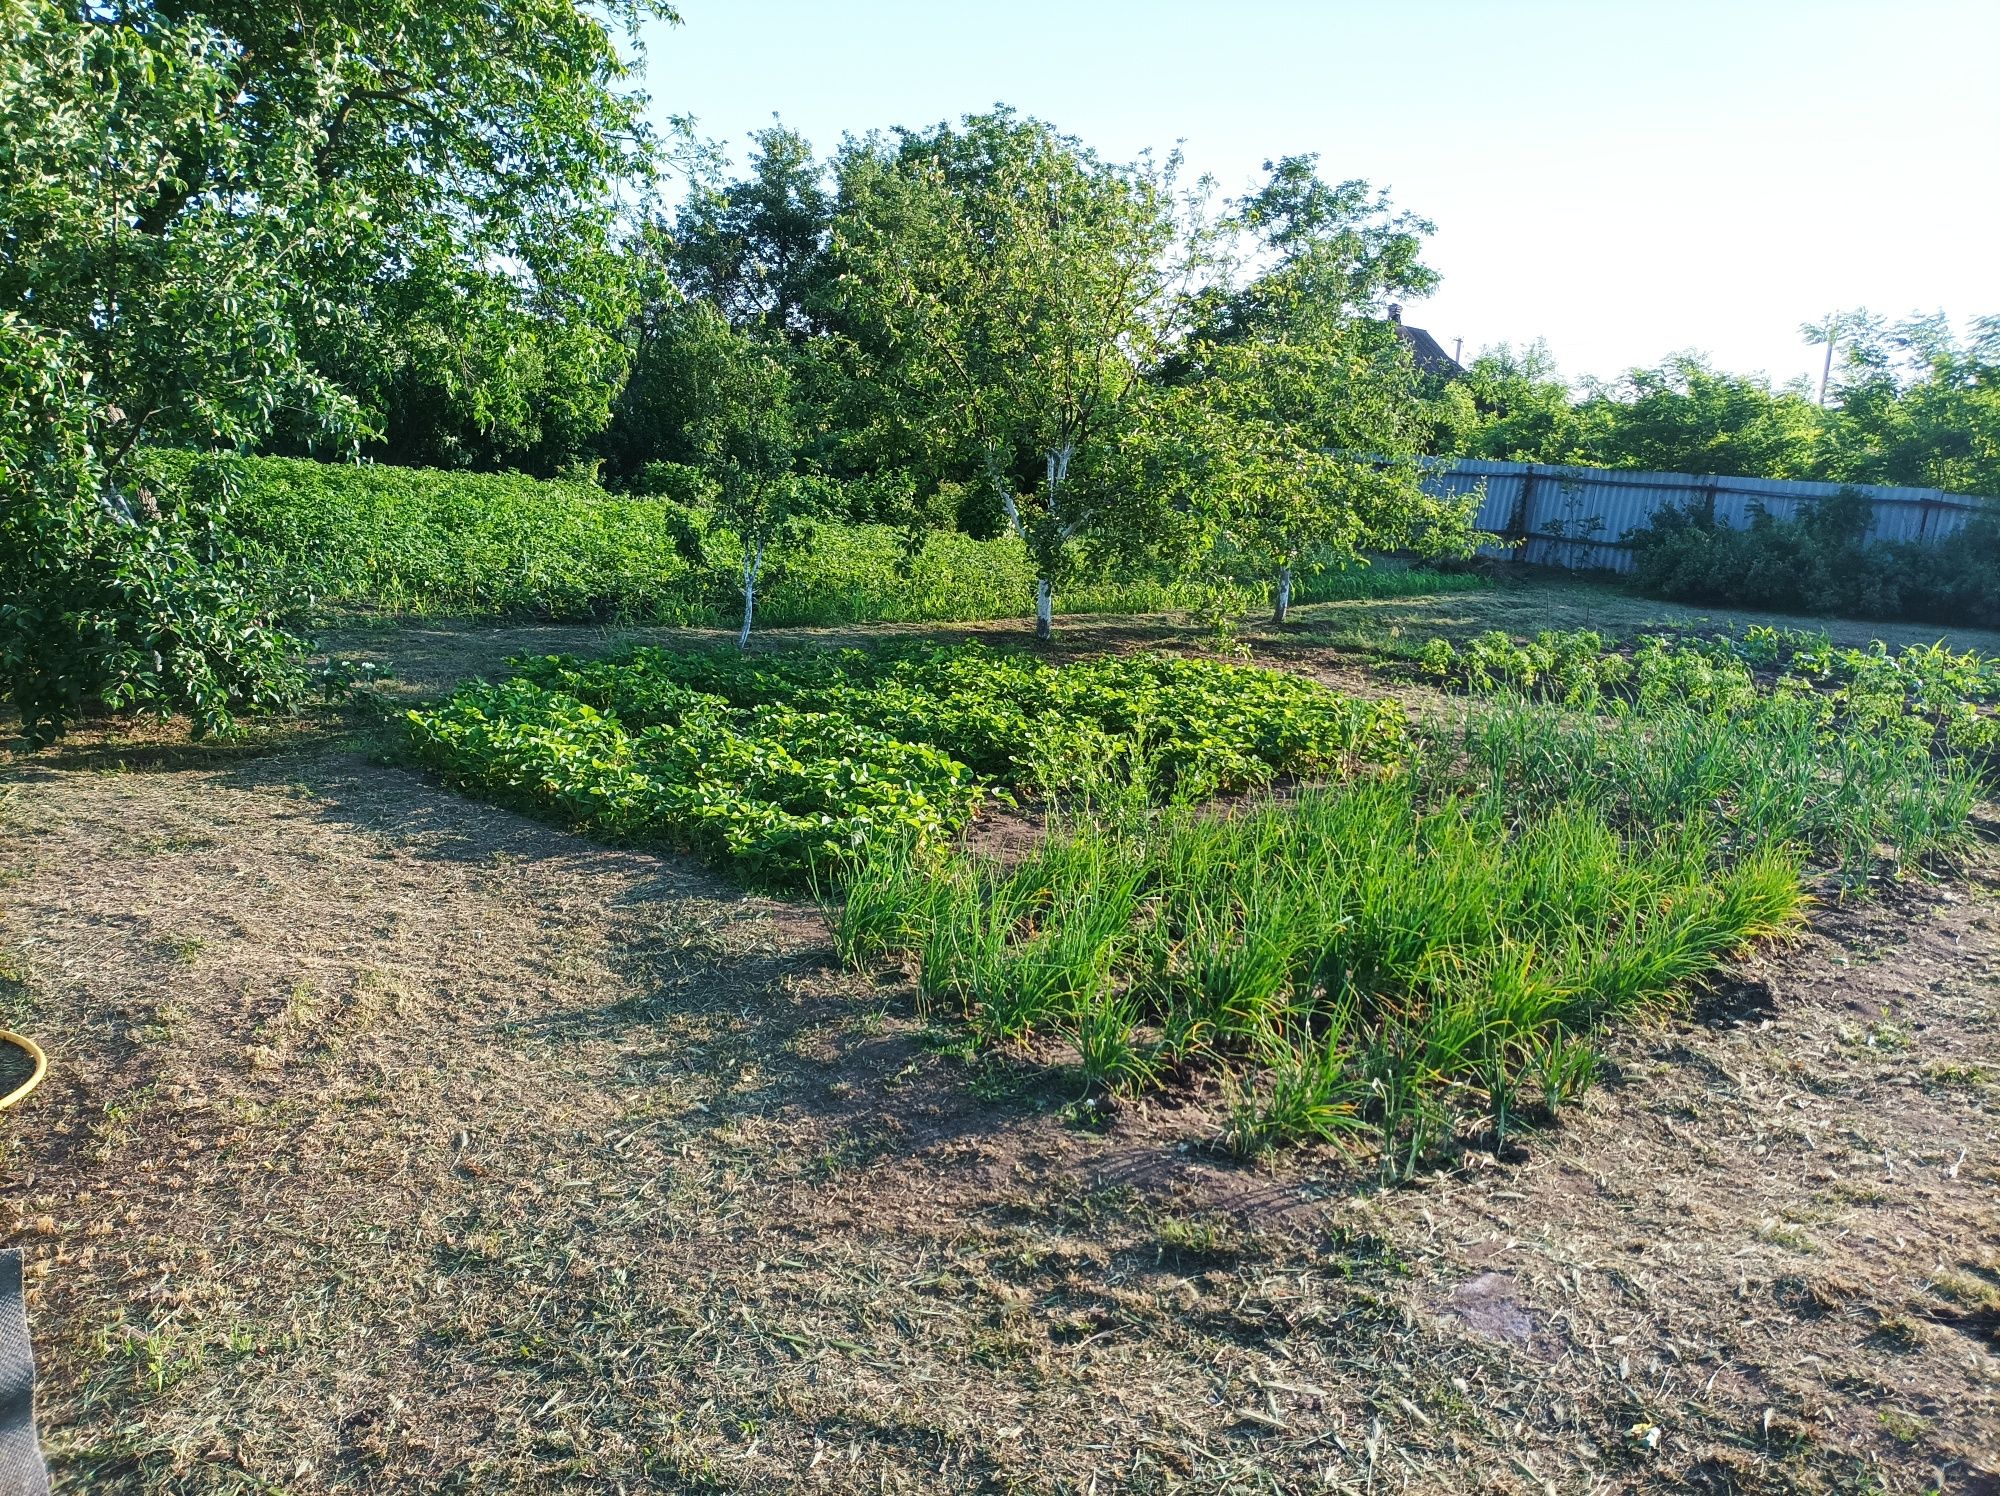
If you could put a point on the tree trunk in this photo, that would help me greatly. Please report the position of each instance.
(753, 562)
(1058, 469)
(1281, 599)
(1003, 489)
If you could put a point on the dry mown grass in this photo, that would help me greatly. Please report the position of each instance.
(394, 1143)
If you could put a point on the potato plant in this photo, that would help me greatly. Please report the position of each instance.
(783, 764)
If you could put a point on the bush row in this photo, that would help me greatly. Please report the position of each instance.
(1821, 563)
(427, 543)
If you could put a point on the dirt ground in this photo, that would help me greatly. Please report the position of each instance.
(395, 1143)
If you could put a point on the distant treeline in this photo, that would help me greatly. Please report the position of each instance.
(1913, 405)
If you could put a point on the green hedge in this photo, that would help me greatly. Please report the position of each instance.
(425, 543)
(419, 542)
(1822, 563)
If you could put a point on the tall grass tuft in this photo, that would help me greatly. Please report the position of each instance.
(1366, 960)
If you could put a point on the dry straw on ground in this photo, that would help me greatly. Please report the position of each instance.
(394, 1143)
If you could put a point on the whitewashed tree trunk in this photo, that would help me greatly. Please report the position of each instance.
(1004, 490)
(1058, 460)
(753, 562)
(1281, 602)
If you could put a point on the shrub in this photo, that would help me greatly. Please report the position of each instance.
(428, 543)
(1821, 563)
(117, 597)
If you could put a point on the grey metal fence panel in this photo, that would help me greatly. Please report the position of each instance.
(1582, 518)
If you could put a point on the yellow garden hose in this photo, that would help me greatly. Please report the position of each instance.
(34, 1052)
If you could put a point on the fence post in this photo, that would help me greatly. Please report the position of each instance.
(1519, 528)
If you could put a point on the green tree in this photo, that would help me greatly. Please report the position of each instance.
(1831, 331)
(195, 208)
(1523, 410)
(1319, 255)
(1298, 456)
(1921, 406)
(755, 247)
(474, 296)
(1686, 417)
(745, 440)
(1015, 288)
(1303, 407)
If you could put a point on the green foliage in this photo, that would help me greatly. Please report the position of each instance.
(772, 789)
(1326, 253)
(1686, 417)
(1014, 288)
(226, 225)
(1822, 562)
(1323, 581)
(111, 601)
(755, 248)
(1279, 435)
(436, 544)
(1391, 961)
(1370, 961)
(1912, 405)
(1918, 406)
(784, 763)
(1857, 755)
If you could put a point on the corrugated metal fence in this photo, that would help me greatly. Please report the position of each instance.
(1580, 517)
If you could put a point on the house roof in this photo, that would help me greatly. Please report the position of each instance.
(1426, 350)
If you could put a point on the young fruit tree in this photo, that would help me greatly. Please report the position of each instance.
(1297, 457)
(1290, 423)
(1017, 290)
(744, 439)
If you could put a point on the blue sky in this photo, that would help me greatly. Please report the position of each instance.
(1624, 179)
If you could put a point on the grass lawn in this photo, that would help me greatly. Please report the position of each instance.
(394, 1142)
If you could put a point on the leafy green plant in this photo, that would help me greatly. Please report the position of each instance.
(1822, 562)
(789, 762)
(110, 600)
(427, 543)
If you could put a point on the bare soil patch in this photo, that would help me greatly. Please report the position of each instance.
(395, 1143)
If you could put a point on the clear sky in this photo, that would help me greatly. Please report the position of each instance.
(1624, 179)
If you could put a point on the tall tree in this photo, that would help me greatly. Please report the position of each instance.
(1920, 405)
(474, 307)
(1685, 416)
(755, 247)
(1017, 287)
(1313, 256)
(1832, 330)
(202, 216)
(1304, 401)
